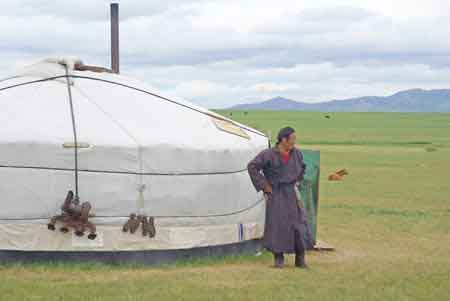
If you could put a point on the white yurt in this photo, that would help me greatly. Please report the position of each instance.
(127, 150)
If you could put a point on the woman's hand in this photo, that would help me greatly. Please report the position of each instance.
(267, 188)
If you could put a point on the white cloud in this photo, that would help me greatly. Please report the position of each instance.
(228, 85)
(269, 87)
(219, 53)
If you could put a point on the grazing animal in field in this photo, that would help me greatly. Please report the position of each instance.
(338, 175)
(74, 216)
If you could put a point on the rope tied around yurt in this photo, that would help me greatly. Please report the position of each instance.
(224, 214)
(72, 114)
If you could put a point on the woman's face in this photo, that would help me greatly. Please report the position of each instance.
(291, 140)
(289, 143)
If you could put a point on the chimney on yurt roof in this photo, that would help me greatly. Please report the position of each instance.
(115, 37)
(48, 67)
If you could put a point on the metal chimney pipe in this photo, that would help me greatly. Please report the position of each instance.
(115, 37)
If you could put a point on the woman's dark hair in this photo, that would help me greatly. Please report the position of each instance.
(284, 133)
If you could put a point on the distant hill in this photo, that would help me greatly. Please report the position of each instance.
(416, 100)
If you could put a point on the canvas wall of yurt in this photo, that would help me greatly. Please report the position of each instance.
(88, 156)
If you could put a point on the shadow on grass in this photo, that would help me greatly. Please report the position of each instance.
(98, 266)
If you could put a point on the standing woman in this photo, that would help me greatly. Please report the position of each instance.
(276, 171)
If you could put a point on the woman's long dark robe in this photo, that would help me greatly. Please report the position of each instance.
(286, 229)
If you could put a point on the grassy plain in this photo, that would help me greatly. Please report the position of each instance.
(389, 221)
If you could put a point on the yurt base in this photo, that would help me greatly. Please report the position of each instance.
(147, 257)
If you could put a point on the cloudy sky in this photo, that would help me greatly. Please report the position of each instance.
(218, 53)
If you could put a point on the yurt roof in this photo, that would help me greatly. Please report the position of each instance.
(119, 115)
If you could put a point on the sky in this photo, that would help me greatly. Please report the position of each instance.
(219, 53)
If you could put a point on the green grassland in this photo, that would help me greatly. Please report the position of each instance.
(389, 221)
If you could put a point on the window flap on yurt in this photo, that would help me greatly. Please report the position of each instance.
(230, 127)
(78, 145)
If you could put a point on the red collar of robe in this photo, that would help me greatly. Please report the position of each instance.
(285, 157)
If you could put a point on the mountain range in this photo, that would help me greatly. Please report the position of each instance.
(415, 100)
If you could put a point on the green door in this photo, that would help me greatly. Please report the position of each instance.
(309, 187)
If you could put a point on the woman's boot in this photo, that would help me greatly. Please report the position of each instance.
(300, 260)
(278, 260)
